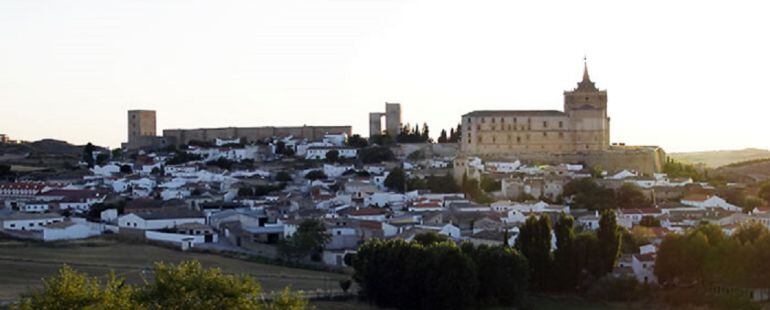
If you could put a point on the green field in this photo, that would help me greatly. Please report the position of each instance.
(23, 265)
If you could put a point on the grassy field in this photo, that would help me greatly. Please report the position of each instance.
(23, 265)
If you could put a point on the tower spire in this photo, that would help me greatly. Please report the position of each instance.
(586, 84)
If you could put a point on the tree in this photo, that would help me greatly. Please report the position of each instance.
(630, 196)
(102, 159)
(280, 147)
(315, 175)
(566, 274)
(534, 242)
(283, 176)
(586, 194)
(764, 192)
(126, 169)
(376, 154)
(357, 141)
(70, 289)
(649, 221)
(609, 235)
(489, 184)
(186, 285)
(189, 286)
(332, 156)
(425, 135)
(442, 138)
(88, 154)
(429, 238)
(117, 154)
(396, 180)
(309, 239)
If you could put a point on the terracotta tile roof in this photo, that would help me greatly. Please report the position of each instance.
(23, 185)
(696, 197)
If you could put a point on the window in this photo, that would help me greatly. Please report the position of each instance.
(545, 134)
(13, 225)
(545, 124)
(493, 120)
(561, 124)
(502, 120)
(518, 139)
(493, 127)
(469, 120)
(482, 119)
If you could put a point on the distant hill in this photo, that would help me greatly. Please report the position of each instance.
(43, 153)
(715, 159)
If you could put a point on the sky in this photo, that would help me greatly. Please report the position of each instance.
(684, 75)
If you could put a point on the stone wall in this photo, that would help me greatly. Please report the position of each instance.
(251, 134)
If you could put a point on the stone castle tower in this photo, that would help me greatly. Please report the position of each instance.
(586, 108)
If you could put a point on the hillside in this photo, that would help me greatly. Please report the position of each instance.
(714, 159)
(46, 153)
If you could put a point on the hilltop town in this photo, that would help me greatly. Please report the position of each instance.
(265, 191)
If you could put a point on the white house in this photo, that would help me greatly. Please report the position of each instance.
(382, 199)
(160, 219)
(708, 201)
(69, 230)
(29, 221)
(35, 207)
(336, 139)
(320, 152)
(502, 167)
(644, 268)
(334, 171)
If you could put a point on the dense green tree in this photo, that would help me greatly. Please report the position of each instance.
(534, 242)
(586, 194)
(332, 156)
(631, 196)
(280, 147)
(88, 154)
(309, 240)
(429, 238)
(396, 180)
(382, 140)
(186, 285)
(70, 289)
(126, 169)
(565, 265)
(315, 175)
(439, 275)
(375, 154)
(649, 221)
(489, 184)
(357, 141)
(609, 235)
(116, 154)
(764, 192)
(442, 138)
(283, 176)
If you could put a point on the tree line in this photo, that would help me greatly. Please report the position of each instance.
(429, 273)
(433, 273)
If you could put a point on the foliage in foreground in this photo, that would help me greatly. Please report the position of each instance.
(184, 286)
(439, 275)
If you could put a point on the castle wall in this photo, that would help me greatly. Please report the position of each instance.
(251, 134)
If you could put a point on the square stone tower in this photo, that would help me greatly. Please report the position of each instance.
(393, 118)
(141, 123)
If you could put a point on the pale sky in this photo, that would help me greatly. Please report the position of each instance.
(685, 75)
